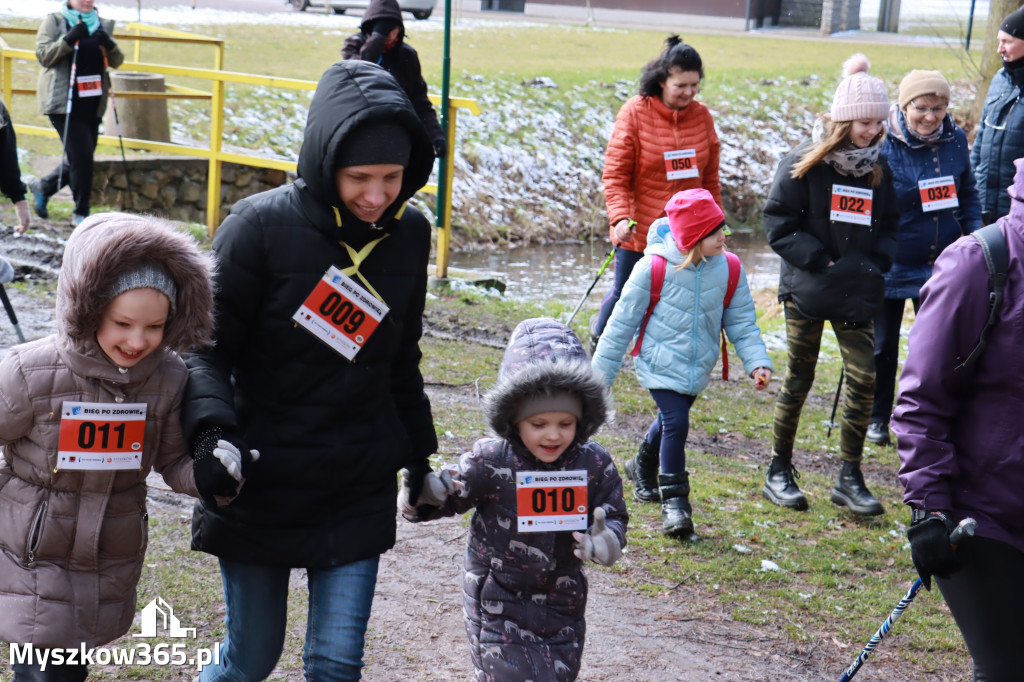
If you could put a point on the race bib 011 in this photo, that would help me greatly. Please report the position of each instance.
(101, 436)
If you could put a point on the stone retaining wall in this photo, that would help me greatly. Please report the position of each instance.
(174, 187)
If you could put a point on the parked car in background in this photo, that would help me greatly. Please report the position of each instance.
(421, 9)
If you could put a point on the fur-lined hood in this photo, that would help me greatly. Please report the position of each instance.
(107, 244)
(544, 356)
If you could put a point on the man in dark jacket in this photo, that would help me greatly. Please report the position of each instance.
(381, 40)
(321, 289)
(1000, 136)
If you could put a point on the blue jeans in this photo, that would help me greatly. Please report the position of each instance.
(674, 422)
(624, 262)
(256, 598)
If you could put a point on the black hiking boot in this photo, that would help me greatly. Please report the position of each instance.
(676, 514)
(780, 484)
(851, 492)
(643, 471)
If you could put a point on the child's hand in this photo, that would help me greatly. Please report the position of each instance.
(598, 544)
(435, 489)
(762, 377)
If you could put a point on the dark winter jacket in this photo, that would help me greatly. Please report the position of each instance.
(402, 62)
(960, 434)
(924, 234)
(799, 228)
(525, 594)
(998, 142)
(332, 434)
(72, 542)
(11, 185)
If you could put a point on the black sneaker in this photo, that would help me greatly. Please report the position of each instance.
(877, 433)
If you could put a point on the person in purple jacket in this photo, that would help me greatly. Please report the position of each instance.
(547, 498)
(960, 435)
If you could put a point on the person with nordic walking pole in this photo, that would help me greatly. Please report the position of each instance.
(75, 48)
(120, 139)
(831, 215)
(664, 141)
(10, 172)
(675, 307)
(960, 438)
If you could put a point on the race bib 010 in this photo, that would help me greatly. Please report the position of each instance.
(551, 501)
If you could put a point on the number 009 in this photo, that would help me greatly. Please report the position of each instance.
(342, 313)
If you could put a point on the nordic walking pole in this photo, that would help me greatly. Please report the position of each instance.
(67, 116)
(10, 313)
(117, 124)
(835, 404)
(964, 530)
(611, 254)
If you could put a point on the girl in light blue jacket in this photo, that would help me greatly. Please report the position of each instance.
(679, 346)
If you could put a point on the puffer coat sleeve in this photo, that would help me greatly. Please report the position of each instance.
(634, 175)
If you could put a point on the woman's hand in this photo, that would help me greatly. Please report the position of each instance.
(623, 229)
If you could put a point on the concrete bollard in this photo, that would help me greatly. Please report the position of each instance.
(143, 119)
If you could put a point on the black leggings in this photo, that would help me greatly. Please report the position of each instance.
(986, 597)
(31, 672)
(83, 132)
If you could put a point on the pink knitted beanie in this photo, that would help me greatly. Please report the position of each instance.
(859, 96)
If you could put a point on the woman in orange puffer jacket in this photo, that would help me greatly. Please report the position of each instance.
(664, 141)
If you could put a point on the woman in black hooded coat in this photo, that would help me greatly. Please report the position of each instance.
(331, 433)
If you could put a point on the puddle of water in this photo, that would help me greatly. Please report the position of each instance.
(563, 272)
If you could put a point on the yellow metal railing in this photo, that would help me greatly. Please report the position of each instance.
(219, 80)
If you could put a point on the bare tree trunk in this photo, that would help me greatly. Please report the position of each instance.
(990, 59)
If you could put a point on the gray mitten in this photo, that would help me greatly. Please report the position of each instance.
(599, 544)
(434, 490)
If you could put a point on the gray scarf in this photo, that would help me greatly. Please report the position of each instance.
(852, 161)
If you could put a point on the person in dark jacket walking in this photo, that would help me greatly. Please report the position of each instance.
(74, 42)
(321, 290)
(10, 172)
(999, 139)
(524, 591)
(832, 216)
(938, 202)
(961, 445)
(381, 40)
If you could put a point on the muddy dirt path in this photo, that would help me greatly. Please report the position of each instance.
(416, 629)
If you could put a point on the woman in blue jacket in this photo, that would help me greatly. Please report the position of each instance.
(680, 339)
(938, 202)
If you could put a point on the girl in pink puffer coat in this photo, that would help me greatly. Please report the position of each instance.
(85, 414)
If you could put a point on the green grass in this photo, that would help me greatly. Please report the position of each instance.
(839, 575)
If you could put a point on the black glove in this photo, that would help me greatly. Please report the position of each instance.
(412, 480)
(440, 147)
(385, 25)
(105, 40)
(77, 32)
(930, 548)
(220, 462)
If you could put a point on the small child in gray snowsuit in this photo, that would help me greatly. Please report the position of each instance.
(524, 590)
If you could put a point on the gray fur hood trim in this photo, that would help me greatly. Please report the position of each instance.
(107, 244)
(544, 356)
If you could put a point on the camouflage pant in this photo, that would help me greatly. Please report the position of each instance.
(803, 340)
